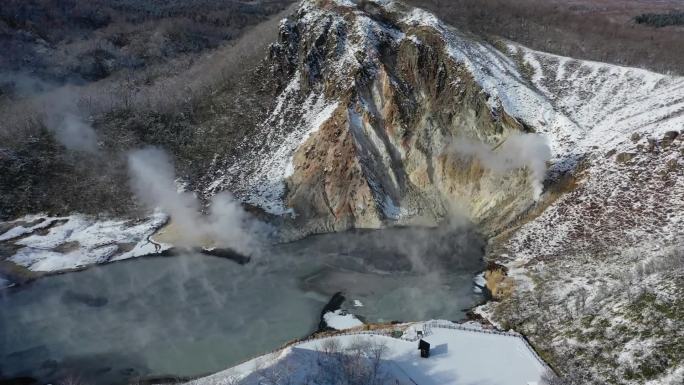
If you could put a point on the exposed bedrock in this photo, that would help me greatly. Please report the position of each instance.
(380, 103)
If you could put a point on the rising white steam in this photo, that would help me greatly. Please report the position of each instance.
(65, 120)
(530, 151)
(57, 106)
(74, 133)
(227, 225)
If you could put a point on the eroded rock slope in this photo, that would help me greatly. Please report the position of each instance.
(363, 133)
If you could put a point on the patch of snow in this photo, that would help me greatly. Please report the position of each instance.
(479, 282)
(672, 377)
(419, 17)
(181, 185)
(341, 320)
(46, 260)
(345, 3)
(20, 230)
(414, 39)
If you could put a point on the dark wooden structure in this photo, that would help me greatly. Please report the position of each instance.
(424, 348)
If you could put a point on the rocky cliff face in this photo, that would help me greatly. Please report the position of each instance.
(373, 100)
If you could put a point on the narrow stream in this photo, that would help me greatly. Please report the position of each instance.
(191, 315)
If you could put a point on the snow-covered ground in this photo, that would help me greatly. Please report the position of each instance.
(27, 225)
(458, 356)
(341, 320)
(77, 241)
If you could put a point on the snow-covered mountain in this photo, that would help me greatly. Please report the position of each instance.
(362, 134)
(373, 97)
(385, 115)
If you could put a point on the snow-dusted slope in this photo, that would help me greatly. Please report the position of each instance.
(603, 264)
(606, 102)
(358, 137)
(259, 178)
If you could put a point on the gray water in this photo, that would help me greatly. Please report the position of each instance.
(191, 315)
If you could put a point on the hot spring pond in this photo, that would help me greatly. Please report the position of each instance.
(191, 315)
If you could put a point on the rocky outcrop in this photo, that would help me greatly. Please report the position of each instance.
(373, 99)
(383, 156)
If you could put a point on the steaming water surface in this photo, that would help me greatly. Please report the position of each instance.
(190, 315)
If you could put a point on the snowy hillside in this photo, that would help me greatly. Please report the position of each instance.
(364, 139)
(358, 139)
(50, 244)
(603, 262)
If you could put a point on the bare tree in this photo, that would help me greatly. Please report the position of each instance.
(376, 352)
(330, 346)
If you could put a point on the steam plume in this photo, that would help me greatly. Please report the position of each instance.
(73, 132)
(65, 120)
(227, 225)
(529, 151)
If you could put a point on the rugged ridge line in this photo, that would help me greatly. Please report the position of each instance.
(360, 133)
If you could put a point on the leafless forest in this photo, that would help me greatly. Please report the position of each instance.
(189, 84)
